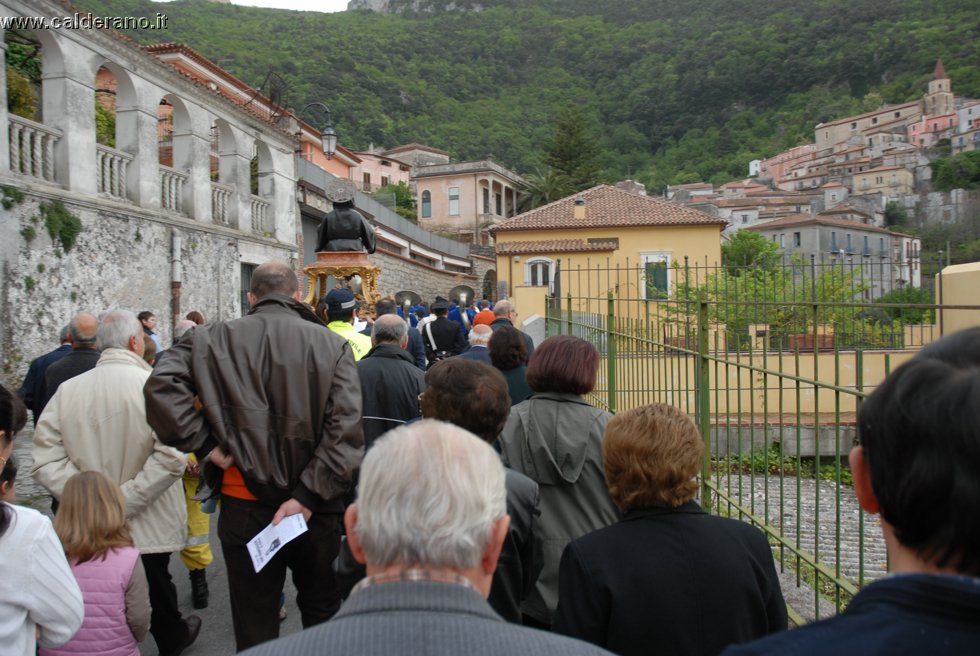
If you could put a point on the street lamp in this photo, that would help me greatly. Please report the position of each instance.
(328, 138)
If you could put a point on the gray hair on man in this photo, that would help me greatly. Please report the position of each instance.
(83, 327)
(181, 328)
(438, 507)
(480, 335)
(389, 329)
(63, 334)
(116, 329)
(503, 309)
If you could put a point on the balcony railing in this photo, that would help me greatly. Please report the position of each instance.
(221, 196)
(172, 189)
(32, 148)
(111, 168)
(260, 215)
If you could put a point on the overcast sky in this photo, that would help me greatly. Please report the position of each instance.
(328, 6)
(303, 5)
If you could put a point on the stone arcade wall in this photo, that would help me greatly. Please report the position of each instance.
(400, 273)
(121, 260)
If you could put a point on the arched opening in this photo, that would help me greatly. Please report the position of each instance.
(113, 89)
(261, 186)
(32, 60)
(173, 152)
(222, 164)
(490, 285)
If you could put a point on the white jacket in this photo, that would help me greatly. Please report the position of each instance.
(97, 421)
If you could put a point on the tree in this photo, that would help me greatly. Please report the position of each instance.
(895, 214)
(573, 149)
(749, 249)
(541, 188)
(404, 199)
(906, 296)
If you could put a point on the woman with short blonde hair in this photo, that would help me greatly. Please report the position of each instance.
(668, 577)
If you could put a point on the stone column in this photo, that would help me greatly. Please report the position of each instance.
(68, 104)
(136, 134)
(282, 195)
(192, 153)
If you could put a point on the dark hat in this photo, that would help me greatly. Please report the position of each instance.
(340, 299)
(439, 304)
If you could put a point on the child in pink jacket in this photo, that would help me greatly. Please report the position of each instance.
(91, 523)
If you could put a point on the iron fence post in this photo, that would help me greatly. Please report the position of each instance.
(611, 351)
(703, 397)
(569, 317)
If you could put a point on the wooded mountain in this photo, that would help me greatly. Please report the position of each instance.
(675, 90)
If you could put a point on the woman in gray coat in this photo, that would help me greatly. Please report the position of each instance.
(555, 438)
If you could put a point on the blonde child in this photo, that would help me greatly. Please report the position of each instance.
(91, 523)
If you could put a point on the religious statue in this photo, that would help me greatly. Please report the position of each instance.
(344, 228)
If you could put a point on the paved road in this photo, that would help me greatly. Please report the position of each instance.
(217, 637)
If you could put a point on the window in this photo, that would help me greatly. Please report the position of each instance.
(745, 218)
(454, 201)
(537, 273)
(850, 249)
(782, 240)
(384, 181)
(797, 239)
(499, 204)
(656, 275)
(486, 200)
(833, 242)
(867, 247)
(426, 204)
(385, 162)
(854, 126)
(367, 182)
(881, 246)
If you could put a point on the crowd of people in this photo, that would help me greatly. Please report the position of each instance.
(459, 492)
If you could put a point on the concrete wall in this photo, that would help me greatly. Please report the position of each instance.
(122, 259)
(960, 284)
(399, 273)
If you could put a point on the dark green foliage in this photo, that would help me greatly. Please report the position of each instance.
(572, 152)
(543, 187)
(909, 296)
(895, 214)
(404, 199)
(676, 90)
(10, 196)
(105, 126)
(960, 171)
(749, 249)
(63, 226)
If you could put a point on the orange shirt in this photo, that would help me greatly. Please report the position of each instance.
(233, 485)
(485, 317)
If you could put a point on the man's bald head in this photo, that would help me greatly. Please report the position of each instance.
(273, 278)
(480, 334)
(82, 329)
(389, 329)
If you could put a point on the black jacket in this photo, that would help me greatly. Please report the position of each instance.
(448, 336)
(390, 388)
(670, 580)
(275, 389)
(414, 348)
(503, 321)
(521, 557)
(77, 362)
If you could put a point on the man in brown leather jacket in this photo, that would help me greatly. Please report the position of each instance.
(274, 400)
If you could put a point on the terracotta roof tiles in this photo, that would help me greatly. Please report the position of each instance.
(556, 246)
(608, 207)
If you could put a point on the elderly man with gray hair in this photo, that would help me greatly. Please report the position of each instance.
(96, 421)
(429, 530)
(390, 381)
